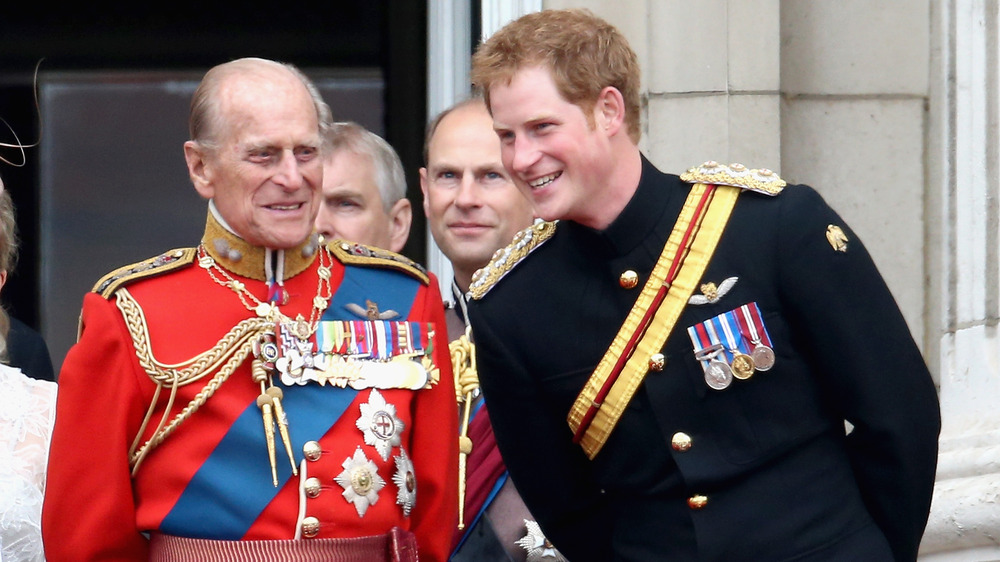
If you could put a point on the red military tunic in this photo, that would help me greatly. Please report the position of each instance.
(210, 477)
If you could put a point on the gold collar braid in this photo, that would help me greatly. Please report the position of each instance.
(246, 260)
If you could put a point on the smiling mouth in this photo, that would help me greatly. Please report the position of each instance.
(544, 180)
(289, 207)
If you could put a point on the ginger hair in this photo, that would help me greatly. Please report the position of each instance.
(583, 53)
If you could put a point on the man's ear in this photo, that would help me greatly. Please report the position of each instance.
(400, 217)
(197, 164)
(424, 186)
(609, 110)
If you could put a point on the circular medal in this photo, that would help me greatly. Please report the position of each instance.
(743, 366)
(718, 375)
(763, 357)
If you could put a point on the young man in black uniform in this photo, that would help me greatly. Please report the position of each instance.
(669, 367)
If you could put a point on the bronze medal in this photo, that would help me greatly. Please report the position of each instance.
(763, 357)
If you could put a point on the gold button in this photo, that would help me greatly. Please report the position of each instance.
(697, 502)
(312, 487)
(629, 279)
(464, 444)
(680, 441)
(312, 451)
(310, 527)
(657, 361)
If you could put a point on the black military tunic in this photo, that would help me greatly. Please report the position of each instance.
(777, 475)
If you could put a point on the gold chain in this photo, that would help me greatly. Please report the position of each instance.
(266, 309)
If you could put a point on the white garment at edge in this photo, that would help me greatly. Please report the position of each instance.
(27, 410)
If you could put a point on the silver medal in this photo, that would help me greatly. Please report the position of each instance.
(718, 375)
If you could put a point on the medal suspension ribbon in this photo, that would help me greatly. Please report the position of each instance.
(689, 248)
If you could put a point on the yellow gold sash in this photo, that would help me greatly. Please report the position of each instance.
(687, 252)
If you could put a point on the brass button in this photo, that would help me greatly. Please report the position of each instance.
(312, 487)
(310, 527)
(680, 441)
(312, 451)
(629, 279)
(657, 362)
(697, 502)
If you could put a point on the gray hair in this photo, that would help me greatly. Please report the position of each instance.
(389, 175)
(204, 120)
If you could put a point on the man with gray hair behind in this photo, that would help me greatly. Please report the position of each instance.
(364, 190)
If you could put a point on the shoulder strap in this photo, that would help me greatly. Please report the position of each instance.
(504, 260)
(760, 180)
(350, 253)
(168, 261)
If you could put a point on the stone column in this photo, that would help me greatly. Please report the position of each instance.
(962, 162)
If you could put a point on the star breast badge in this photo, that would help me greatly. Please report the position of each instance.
(380, 425)
(360, 481)
(406, 482)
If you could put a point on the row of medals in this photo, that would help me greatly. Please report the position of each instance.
(719, 374)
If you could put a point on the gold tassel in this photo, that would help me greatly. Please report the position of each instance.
(265, 403)
(464, 448)
(463, 363)
(276, 395)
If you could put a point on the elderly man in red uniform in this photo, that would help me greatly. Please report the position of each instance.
(259, 396)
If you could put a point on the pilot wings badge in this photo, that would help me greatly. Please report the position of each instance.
(710, 293)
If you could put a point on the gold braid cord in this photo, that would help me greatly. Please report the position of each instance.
(223, 359)
(463, 363)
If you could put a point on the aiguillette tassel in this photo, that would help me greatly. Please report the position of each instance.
(265, 403)
(276, 395)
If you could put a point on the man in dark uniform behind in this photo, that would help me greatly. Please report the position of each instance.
(678, 355)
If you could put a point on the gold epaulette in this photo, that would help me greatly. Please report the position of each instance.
(167, 261)
(737, 175)
(506, 258)
(351, 253)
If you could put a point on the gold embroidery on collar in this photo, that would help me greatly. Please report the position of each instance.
(246, 260)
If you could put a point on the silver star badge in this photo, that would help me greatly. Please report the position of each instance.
(380, 425)
(539, 548)
(360, 481)
(406, 481)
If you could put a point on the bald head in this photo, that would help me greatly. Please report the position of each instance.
(472, 206)
(232, 78)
